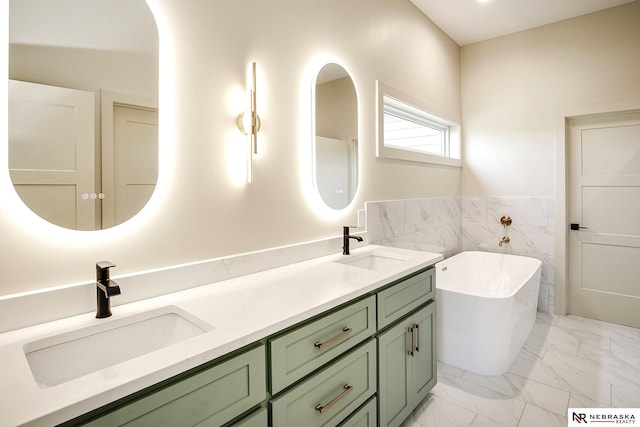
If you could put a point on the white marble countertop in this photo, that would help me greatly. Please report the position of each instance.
(240, 311)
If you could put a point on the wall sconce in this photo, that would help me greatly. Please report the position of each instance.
(249, 124)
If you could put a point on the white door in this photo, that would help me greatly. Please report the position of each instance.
(133, 170)
(51, 152)
(604, 257)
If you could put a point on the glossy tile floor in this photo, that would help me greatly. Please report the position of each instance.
(567, 362)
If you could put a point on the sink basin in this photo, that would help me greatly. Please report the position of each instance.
(61, 358)
(370, 261)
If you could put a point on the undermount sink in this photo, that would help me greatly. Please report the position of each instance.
(61, 358)
(370, 261)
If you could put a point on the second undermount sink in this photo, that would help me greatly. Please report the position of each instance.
(61, 358)
(370, 261)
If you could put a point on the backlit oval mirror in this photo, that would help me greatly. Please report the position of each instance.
(83, 119)
(336, 136)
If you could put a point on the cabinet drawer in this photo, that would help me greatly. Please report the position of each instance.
(366, 416)
(305, 349)
(259, 418)
(211, 397)
(402, 298)
(328, 397)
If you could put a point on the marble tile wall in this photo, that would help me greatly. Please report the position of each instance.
(430, 225)
(449, 225)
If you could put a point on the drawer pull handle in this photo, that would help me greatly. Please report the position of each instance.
(416, 327)
(320, 407)
(346, 330)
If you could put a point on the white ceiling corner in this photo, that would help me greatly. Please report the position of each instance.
(470, 21)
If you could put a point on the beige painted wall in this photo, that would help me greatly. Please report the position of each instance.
(202, 209)
(515, 87)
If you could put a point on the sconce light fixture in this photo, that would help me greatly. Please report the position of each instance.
(249, 123)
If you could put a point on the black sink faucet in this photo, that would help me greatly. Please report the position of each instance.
(345, 240)
(105, 289)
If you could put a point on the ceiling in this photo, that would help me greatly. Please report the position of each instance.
(471, 21)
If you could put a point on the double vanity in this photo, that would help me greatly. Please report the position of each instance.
(336, 340)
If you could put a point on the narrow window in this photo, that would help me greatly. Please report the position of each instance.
(410, 132)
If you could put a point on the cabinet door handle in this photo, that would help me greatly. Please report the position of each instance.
(345, 331)
(416, 327)
(410, 352)
(346, 389)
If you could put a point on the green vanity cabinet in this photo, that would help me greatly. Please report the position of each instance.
(398, 300)
(211, 397)
(365, 363)
(306, 348)
(329, 396)
(366, 416)
(259, 418)
(406, 365)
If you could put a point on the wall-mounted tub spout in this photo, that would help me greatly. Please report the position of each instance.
(505, 239)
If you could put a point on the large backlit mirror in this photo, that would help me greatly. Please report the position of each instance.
(336, 136)
(83, 119)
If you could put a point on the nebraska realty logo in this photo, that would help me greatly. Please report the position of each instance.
(581, 416)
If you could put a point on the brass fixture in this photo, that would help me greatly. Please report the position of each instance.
(249, 123)
(505, 239)
(505, 221)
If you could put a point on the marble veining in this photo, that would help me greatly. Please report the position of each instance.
(449, 225)
(548, 377)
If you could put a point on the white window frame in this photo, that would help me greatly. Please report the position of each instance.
(410, 108)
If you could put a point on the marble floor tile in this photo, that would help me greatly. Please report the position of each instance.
(579, 401)
(453, 371)
(530, 391)
(480, 400)
(481, 421)
(622, 397)
(536, 417)
(439, 412)
(596, 327)
(546, 336)
(609, 371)
(628, 346)
(567, 362)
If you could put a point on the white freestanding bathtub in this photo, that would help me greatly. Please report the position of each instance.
(486, 308)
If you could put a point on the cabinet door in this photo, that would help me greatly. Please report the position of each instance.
(424, 357)
(209, 398)
(407, 368)
(393, 373)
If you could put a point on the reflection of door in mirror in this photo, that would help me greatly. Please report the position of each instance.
(134, 171)
(90, 46)
(51, 152)
(336, 142)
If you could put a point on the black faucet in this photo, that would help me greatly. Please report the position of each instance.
(105, 289)
(345, 240)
